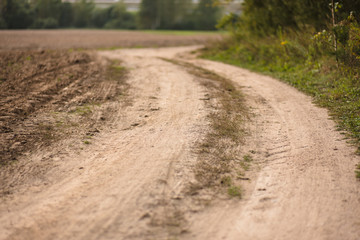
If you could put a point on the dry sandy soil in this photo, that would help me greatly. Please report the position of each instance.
(90, 39)
(130, 180)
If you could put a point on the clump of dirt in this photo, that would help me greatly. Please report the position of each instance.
(45, 94)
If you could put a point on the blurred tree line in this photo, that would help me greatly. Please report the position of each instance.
(263, 17)
(19, 14)
(178, 14)
(153, 14)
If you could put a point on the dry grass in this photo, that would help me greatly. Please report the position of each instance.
(219, 154)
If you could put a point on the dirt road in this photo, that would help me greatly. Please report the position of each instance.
(129, 183)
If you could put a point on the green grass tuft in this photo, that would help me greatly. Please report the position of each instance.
(235, 191)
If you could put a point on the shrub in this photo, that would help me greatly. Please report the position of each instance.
(47, 23)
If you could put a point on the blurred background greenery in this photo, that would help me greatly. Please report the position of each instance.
(110, 14)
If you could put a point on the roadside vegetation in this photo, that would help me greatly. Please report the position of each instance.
(153, 14)
(314, 46)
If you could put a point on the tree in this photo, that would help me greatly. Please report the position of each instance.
(16, 14)
(82, 13)
(120, 18)
(206, 15)
(48, 13)
(148, 15)
(66, 16)
(174, 13)
(163, 14)
(99, 17)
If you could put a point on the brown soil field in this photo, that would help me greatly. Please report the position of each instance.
(89, 39)
(46, 94)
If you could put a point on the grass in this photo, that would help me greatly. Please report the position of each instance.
(248, 158)
(183, 33)
(218, 161)
(83, 110)
(232, 190)
(116, 72)
(235, 191)
(46, 132)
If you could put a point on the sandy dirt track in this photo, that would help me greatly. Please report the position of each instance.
(123, 185)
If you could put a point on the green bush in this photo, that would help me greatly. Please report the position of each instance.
(47, 23)
(2, 23)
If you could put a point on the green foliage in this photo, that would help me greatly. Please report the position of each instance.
(45, 9)
(148, 14)
(82, 13)
(234, 191)
(15, 14)
(99, 17)
(162, 14)
(154, 14)
(347, 36)
(178, 14)
(66, 15)
(264, 17)
(119, 18)
(46, 23)
(357, 171)
(206, 15)
(3, 24)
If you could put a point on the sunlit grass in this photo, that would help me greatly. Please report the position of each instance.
(184, 32)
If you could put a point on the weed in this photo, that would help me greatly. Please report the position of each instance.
(234, 191)
(247, 158)
(245, 166)
(226, 181)
(59, 124)
(87, 142)
(83, 110)
(116, 72)
(357, 171)
(109, 48)
(184, 33)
